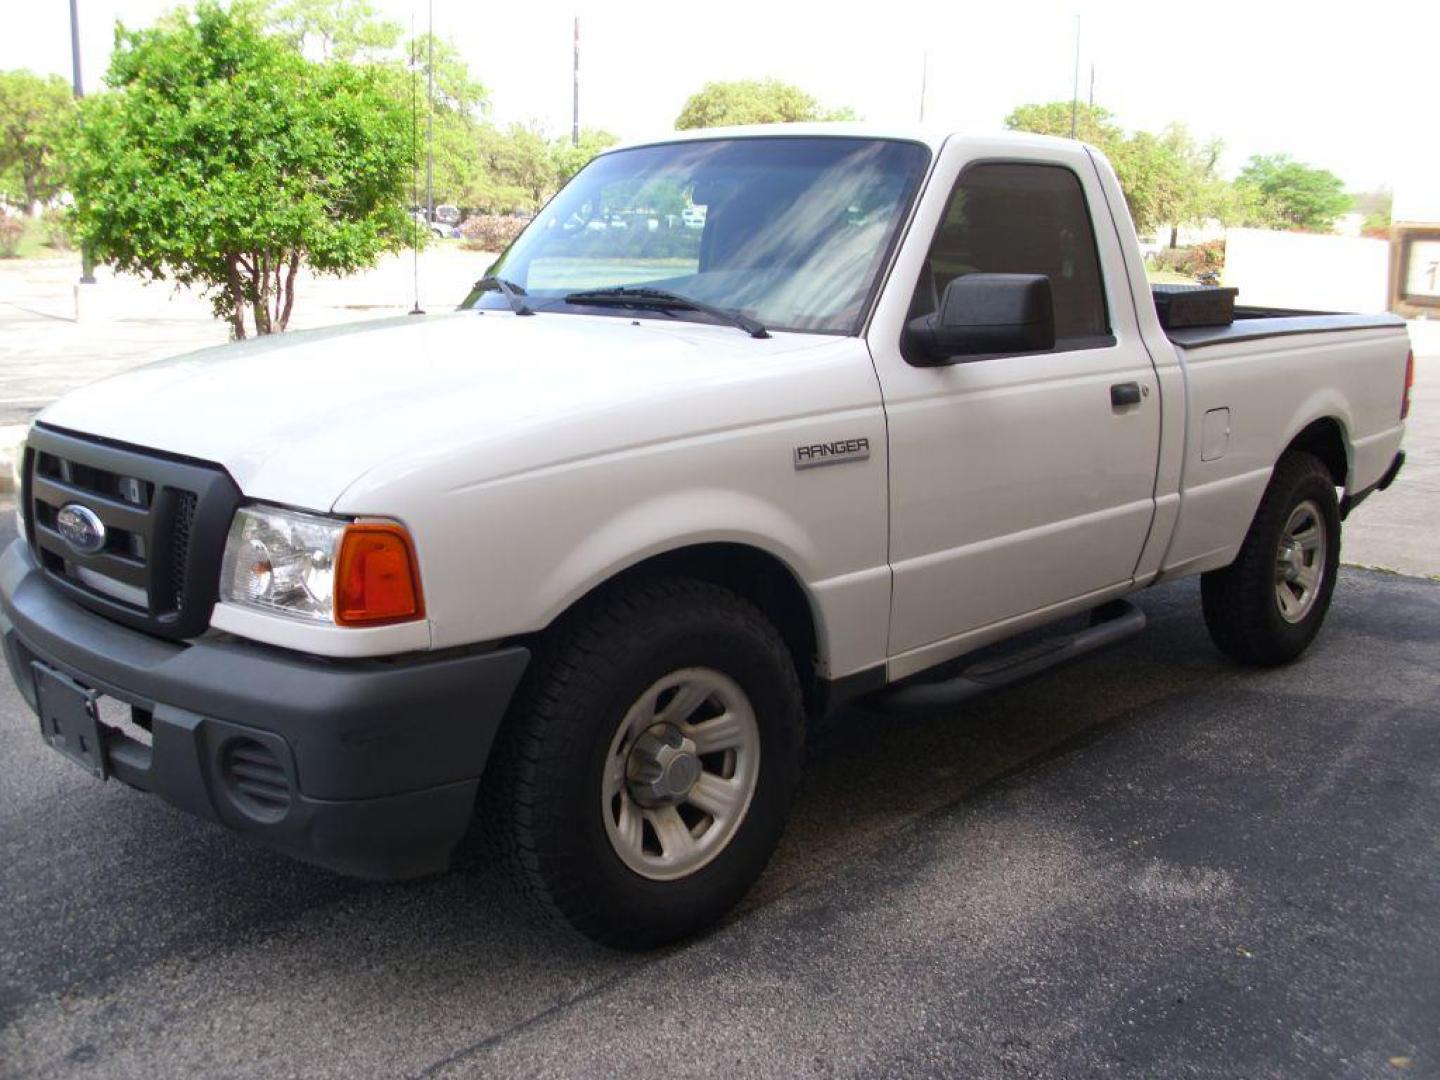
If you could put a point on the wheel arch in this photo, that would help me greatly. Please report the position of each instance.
(1325, 438)
(758, 575)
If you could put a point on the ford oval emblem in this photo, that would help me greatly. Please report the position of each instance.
(81, 527)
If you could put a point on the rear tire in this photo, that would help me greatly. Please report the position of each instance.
(597, 768)
(1267, 606)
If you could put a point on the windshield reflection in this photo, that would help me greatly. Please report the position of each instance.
(790, 231)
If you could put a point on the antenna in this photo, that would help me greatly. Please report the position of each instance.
(87, 261)
(430, 125)
(1075, 90)
(414, 169)
(1092, 86)
(924, 77)
(575, 113)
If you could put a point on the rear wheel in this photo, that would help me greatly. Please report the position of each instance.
(647, 774)
(1267, 606)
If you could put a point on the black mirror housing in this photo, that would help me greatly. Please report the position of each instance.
(984, 314)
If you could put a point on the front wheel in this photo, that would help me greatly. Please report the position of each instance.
(649, 769)
(1267, 606)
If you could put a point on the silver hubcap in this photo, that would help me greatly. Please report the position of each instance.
(680, 774)
(1300, 562)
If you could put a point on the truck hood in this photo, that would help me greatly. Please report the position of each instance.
(299, 418)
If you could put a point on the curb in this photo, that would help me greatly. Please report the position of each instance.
(12, 437)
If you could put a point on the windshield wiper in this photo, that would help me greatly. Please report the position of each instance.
(514, 294)
(627, 296)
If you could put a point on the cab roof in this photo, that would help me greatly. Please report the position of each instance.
(933, 137)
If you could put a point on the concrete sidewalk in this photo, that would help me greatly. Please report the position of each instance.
(56, 335)
(48, 348)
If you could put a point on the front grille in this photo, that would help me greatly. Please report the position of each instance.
(120, 569)
(180, 543)
(161, 528)
(255, 779)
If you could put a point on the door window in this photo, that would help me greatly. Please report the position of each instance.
(1012, 218)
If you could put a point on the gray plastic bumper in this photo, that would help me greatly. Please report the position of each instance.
(370, 767)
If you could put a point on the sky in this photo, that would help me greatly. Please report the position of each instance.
(1352, 88)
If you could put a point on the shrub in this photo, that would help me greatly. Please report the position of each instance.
(1192, 261)
(490, 232)
(12, 231)
(57, 229)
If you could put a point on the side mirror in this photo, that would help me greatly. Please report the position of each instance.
(985, 314)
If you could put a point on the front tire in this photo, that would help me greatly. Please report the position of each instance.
(1267, 606)
(646, 776)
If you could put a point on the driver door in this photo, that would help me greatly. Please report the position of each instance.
(1018, 488)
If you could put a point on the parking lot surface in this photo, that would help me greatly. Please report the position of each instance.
(1153, 863)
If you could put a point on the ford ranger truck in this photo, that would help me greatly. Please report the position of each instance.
(840, 412)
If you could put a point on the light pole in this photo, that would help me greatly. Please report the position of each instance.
(87, 263)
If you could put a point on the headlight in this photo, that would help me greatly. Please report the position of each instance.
(282, 560)
(320, 569)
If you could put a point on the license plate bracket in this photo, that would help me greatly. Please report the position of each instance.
(70, 719)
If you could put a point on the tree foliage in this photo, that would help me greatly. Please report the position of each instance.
(1169, 179)
(753, 101)
(335, 29)
(475, 164)
(1282, 191)
(222, 158)
(1093, 124)
(32, 110)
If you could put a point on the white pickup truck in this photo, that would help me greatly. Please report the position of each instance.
(582, 556)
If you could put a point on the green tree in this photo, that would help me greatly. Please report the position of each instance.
(222, 159)
(1377, 208)
(460, 105)
(571, 159)
(521, 167)
(753, 101)
(1093, 124)
(1283, 191)
(1168, 179)
(32, 109)
(335, 29)
(353, 30)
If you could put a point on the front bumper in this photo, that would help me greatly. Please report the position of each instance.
(379, 760)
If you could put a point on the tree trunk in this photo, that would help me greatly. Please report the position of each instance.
(1174, 235)
(289, 289)
(237, 296)
(260, 289)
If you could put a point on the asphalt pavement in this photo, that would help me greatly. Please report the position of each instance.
(1153, 863)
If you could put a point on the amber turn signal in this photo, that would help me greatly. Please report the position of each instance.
(377, 578)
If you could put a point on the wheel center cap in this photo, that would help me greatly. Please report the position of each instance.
(1289, 560)
(663, 767)
(682, 772)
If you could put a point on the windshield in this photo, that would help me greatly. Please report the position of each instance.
(791, 232)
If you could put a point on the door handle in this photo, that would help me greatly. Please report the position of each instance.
(1125, 393)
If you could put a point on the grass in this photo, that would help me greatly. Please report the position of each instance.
(1168, 277)
(33, 244)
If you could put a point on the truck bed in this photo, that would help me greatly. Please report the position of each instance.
(1235, 322)
(1253, 323)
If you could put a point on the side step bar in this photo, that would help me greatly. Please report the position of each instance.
(1110, 624)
